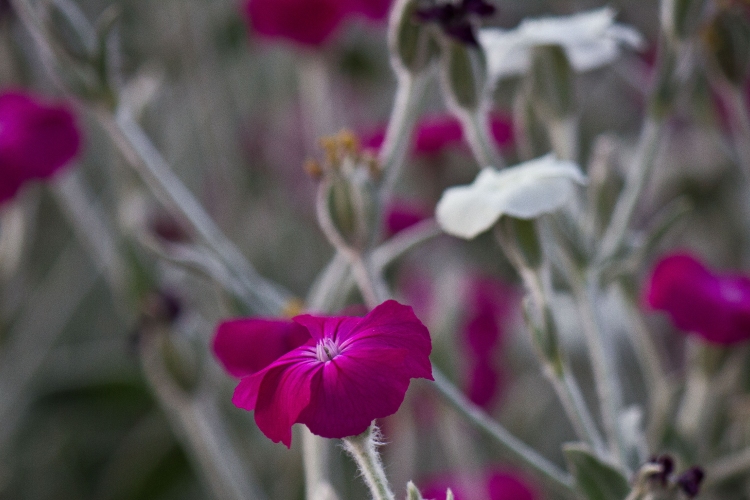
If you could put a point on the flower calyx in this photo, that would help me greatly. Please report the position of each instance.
(456, 19)
(347, 195)
(656, 477)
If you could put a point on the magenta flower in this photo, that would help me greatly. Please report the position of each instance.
(485, 382)
(306, 22)
(495, 484)
(402, 214)
(490, 302)
(310, 23)
(714, 307)
(375, 10)
(350, 371)
(246, 346)
(36, 140)
(436, 134)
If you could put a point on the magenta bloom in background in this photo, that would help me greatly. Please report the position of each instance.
(402, 214)
(350, 370)
(714, 307)
(490, 302)
(310, 23)
(375, 10)
(435, 134)
(495, 484)
(36, 140)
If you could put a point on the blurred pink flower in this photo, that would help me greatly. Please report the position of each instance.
(434, 134)
(485, 381)
(401, 214)
(496, 484)
(36, 140)
(714, 307)
(351, 370)
(490, 302)
(375, 10)
(310, 23)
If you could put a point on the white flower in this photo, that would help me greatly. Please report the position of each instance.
(525, 191)
(590, 40)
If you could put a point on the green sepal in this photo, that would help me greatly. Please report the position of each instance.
(595, 479)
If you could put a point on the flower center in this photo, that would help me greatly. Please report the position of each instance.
(326, 350)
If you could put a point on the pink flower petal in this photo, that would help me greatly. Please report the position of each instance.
(353, 389)
(306, 22)
(484, 384)
(375, 10)
(284, 392)
(717, 308)
(36, 140)
(332, 327)
(394, 325)
(245, 346)
(506, 485)
(402, 214)
(497, 483)
(435, 133)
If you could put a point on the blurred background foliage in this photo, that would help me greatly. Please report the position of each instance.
(79, 419)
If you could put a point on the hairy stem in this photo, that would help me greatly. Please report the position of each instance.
(363, 449)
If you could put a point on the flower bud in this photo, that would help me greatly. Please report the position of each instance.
(412, 493)
(728, 40)
(347, 200)
(680, 17)
(552, 88)
(544, 333)
(523, 232)
(411, 44)
(463, 75)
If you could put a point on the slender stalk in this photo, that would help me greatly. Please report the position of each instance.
(563, 134)
(397, 141)
(266, 296)
(477, 417)
(640, 171)
(91, 227)
(46, 314)
(363, 449)
(199, 428)
(660, 387)
(475, 126)
(315, 457)
(603, 364)
(316, 96)
(727, 467)
(557, 372)
(740, 125)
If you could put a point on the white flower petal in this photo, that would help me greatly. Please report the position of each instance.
(591, 39)
(525, 191)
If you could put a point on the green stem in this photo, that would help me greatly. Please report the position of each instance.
(603, 364)
(397, 141)
(262, 295)
(639, 173)
(198, 427)
(727, 467)
(363, 449)
(315, 457)
(475, 125)
(477, 417)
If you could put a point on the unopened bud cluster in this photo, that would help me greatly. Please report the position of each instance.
(347, 199)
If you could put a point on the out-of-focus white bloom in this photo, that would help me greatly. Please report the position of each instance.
(590, 40)
(525, 191)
